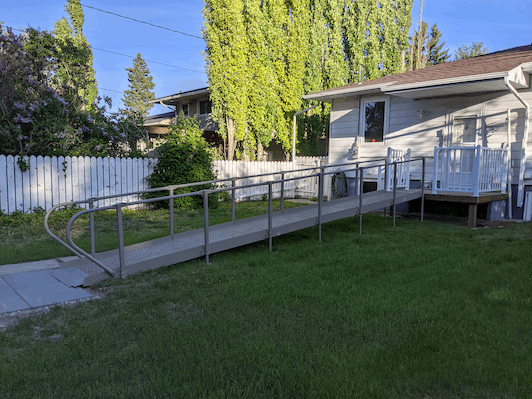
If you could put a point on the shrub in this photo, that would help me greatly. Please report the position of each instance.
(185, 158)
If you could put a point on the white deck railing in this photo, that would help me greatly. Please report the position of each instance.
(471, 170)
(403, 170)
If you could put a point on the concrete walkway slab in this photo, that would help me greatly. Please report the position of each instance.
(71, 277)
(10, 301)
(37, 288)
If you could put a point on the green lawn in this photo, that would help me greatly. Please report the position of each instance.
(422, 310)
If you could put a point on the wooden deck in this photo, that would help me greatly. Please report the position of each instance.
(190, 245)
(466, 198)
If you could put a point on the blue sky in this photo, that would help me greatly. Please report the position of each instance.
(499, 24)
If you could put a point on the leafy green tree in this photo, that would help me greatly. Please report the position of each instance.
(140, 89)
(436, 53)
(263, 55)
(465, 51)
(75, 76)
(185, 157)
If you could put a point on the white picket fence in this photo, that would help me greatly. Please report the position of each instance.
(49, 181)
(304, 187)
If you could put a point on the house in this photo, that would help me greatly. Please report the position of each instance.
(457, 107)
(195, 103)
(190, 103)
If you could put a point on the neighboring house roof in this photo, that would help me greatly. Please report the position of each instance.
(485, 73)
(159, 119)
(174, 99)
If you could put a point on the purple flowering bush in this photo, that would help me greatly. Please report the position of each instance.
(40, 116)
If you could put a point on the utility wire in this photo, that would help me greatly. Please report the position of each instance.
(155, 62)
(142, 22)
(114, 91)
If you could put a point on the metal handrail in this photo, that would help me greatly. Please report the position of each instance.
(118, 207)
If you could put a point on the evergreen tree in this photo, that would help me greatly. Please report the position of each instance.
(465, 51)
(140, 85)
(75, 76)
(431, 52)
(436, 54)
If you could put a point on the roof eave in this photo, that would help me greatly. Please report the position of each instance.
(179, 96)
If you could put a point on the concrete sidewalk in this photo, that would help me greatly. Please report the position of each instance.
(34, 284)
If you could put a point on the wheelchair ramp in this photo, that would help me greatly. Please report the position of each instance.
(190, 245)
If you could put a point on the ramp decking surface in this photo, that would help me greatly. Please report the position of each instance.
(189, 245)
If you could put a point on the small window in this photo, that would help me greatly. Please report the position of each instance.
(185, 109)
(466, 130)
(205, 107)
(374, 121)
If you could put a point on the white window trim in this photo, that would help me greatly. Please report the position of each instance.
(362, 106)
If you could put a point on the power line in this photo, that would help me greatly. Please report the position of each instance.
(155, 62)
(114, 91)
(142, 22)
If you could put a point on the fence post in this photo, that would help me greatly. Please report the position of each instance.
(121, 250)
(206, 223)
(270, 215)
(171, 209)
(91, 223)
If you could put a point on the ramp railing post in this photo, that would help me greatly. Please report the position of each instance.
(171, 210)
(233, 199)
(361, 191)
(270, 214)
(206, 223)
(91, 223)
(394, 189)
(282, 192)
(320, 201)
(423, 189)
(121, 250)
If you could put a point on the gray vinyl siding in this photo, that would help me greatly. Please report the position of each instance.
(407, 130)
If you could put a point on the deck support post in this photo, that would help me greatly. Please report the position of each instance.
(320, 201)
(270, 214)
(472, 215)
(121, 250)
(423, 189)
(282, 192)
(171, 212)
(206, 224)
(233, 199)
(91, 222)
(394, 189)
(361, 191)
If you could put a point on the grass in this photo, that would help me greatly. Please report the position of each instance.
(422, 310)
(23, 238)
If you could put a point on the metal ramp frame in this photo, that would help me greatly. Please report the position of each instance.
(181, 247)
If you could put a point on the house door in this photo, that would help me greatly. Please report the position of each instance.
(466, 132)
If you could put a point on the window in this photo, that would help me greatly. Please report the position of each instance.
(185, 109)
(373, 115)
(466, 129)
(205, 107)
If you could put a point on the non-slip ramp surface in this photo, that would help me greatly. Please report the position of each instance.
(189, 245)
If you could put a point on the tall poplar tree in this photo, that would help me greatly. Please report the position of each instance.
(75, 76)
(140, 89)
(264, 55)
